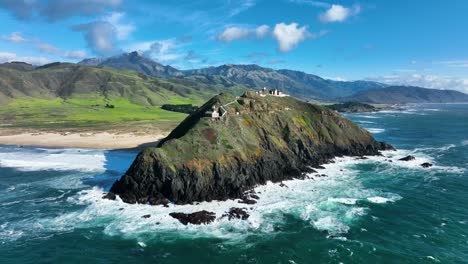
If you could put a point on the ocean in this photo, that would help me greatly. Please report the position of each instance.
(376, 210)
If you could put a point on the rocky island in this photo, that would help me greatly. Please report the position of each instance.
(353, 107)
(231, 144)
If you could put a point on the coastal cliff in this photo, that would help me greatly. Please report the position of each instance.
(231, 144)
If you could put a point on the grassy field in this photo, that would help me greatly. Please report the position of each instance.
(80, 114)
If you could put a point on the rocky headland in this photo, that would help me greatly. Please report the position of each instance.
(231, 144)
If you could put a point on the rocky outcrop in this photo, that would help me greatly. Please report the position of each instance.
(237, 213)
(259, 139)
(426, 165)
(353, 107)
(197, 218)
(408, 158)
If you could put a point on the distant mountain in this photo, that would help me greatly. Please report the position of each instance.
(408, 94)
(296, 83)
(134, 61)
(16, 65)
(252, 76)
(74, 81)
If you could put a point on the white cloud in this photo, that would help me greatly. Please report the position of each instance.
(75, 54)
(289, 36)
(48, 48)
(122, 30)
(339, 13)
(100, 36)
(9, 57)
(14, 37)
(233, 33)
(455, 63)
(426, 81)
(262, 31)
(167, 50)
(238, 33)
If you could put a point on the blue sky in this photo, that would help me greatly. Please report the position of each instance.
(398, 41)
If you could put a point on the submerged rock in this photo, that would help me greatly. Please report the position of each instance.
(408, 158)
(146, 216)
(237, 213)
(256, 140)
(426, 165)
(197, 218)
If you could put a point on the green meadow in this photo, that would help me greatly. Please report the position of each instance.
(91, 114)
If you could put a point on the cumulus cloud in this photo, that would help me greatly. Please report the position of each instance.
(233, 33)
(166, 50)
(9, 57)
(100, 37)
(122, 30)
(338, 13)
(238, 33)
(262, 31)
(427, 81)
(75, 55)
(53, 10)
(14, 37)
(289, 36)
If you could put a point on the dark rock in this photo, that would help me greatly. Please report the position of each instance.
(120, 209)
(408, 158)
(254, 196)
(319, 167)
(246, 200)
(426, 165)
(283, 185)
(146, 216)
(160, 201)
(238, 213)
(197, 218)
(109, 196)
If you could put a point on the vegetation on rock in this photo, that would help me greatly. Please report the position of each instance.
(260, 139)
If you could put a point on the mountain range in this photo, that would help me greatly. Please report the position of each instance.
(144, 81)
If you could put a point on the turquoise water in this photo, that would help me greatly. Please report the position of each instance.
(365, 211)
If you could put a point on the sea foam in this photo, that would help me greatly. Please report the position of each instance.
(26, 159)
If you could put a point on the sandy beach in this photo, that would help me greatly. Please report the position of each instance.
(98, 140)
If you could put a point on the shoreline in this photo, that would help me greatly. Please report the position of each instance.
(89, 140)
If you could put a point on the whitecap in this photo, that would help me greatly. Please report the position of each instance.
(349, 201)
(366, 122)
(379, 200)
(375, 130)
(331, 225)
(52, 159)
(369, 116)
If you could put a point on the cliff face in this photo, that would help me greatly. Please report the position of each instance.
(259, 139)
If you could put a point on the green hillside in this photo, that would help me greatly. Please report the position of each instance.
(70, 95)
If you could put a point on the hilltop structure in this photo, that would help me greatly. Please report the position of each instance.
(274, 92)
